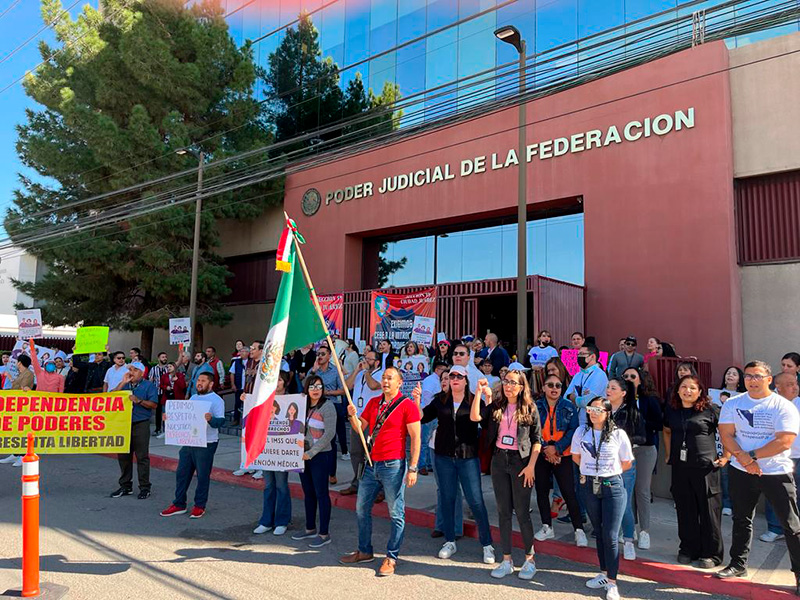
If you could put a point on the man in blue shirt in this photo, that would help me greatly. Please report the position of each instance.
(589, 382)
(144, 396)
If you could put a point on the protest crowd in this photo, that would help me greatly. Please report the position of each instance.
(586, 443)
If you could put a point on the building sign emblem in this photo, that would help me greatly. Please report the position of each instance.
(312, 200)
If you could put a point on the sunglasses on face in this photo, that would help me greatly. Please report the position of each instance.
(629, 377)
(456, 376)
(510, 382)
(595, 410)
(553, 386)
(316, 386)
(459, 353)
(630, 344)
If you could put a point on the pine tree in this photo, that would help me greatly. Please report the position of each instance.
(127, 86)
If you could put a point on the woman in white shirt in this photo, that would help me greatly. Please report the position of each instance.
(603, 452)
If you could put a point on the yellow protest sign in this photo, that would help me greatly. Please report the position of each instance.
(91, 339)
(65, 423)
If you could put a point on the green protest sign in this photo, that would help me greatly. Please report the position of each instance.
(91, 339)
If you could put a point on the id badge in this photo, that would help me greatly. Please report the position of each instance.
(596, 486)
(507, 440)
(360, 402)
(684, 455)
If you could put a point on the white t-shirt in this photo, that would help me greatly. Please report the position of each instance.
(431, 386)
(217, 410)
(540, 356)
(612, 452)
(114, 376)
(756, 422)
(362, 392)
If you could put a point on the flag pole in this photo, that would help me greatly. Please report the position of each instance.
(354, 421)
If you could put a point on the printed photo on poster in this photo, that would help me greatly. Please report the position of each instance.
(186, 423)
(333, 310)
(422, 331)
(413, 369)
(392, 316)
(180, 331)
(284, 448)
(29, 323)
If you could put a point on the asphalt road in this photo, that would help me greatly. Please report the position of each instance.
(107, 548)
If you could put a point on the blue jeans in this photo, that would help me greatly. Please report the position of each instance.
(277, 500)
(191, 459)
(314, 479)
(605, 513)
(425, 454)
(576, 471)
(628, 520)
(458, 515)
(391, 475)
(467, 473)
(773, 523)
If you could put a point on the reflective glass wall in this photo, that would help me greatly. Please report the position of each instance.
(555, 249)
(423, 44)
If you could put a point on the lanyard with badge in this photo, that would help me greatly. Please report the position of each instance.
(684, 452)
(596, 483)
(508, 440)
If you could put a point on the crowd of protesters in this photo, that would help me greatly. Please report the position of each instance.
(586, 444)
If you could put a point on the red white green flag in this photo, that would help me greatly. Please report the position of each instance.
(295, 323)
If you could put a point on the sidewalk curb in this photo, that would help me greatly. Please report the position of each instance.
(677, 575)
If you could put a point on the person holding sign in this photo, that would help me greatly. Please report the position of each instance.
(513, 430)
(47, 379)
(144, 396)
(603, 452)
(201, 460)
(320, 429)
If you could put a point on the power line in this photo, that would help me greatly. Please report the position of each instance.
(13, 4)
(45, 27)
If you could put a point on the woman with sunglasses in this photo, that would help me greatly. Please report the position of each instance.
(622, 397)
(320, 428)
(513, 431)
(559, 418)
(690, 428)
(455, 459)
(645, 453)
(443, 354)
(603, 453)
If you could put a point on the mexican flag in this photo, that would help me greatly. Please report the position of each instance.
(295, 324)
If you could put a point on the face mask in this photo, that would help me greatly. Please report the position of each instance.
(50, 368)
(582, 362)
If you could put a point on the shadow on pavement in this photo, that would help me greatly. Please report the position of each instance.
(57, 563)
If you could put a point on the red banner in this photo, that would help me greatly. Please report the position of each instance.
(403, 317)
(333, 311)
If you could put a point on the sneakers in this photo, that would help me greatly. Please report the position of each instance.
(727, 512)
(345, 456)
(318, 542)
(160, 435)
(240, 472)
(448, 549)
(197, 512)
(644, 540)
(262, 529)
(770, 537)
(488, 554)
(597, 582)
(143, 494)
(580, 538)
(258, 475)
(8, 459)
(279, 530)
(121, 492)
(545, 533)
(304, 535)
(556, 506)
(528, 570)
(612, 593)
(17, 462)
(629, 551)
(173, 511)
(504, 568)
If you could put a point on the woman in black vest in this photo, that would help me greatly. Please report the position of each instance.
(456, 459)
(511, 424)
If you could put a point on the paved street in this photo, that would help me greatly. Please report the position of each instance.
(97, 546)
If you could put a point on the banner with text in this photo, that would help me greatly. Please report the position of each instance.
(333, 310)
(65, 423)
(186, 423)
(284, 448)
(394, 317)
(570, 360)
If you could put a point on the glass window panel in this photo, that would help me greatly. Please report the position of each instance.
(235, 19)
(331, 31)
(764, 34)
(441, 67)
(347, 76)
(411, 68)
(356, 45)
(251, 18)
(636, 9)
(383, 38)
(270, 16)
(418, 268)
(521, 15)
(411, 20)
(481, 254)
(467, 8)
(381, 70)
(476, 54)
(594, 17)
(449, 255)
(441, 13)
(556, 24)
(290, 10)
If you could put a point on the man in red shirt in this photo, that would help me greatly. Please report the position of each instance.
(388, 419)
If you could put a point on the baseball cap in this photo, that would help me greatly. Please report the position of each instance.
(517, 366)
(137, 365)
(458, 369)
(445, 342)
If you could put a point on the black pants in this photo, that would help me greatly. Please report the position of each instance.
(160, 416)
(698, 501)
(140, 446)
(745, 491)
(512, 497)
(544, 471)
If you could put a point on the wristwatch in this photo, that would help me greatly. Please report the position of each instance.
(752, 454)
(412, 469)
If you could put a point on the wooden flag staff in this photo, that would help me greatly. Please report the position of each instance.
(354, 421)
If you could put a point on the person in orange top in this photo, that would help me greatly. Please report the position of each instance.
(559, 418)
(47, 379)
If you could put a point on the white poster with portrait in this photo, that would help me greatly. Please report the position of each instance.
(180, 331)
(413, 369)
(29, 323)
(283, 450)
(422, 330)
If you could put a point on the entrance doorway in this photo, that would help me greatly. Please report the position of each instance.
(498, 314)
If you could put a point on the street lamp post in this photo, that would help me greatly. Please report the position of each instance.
(196, 247)
(511, 35)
